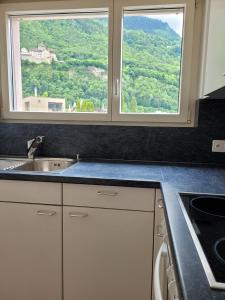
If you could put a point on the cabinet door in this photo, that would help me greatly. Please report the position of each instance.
(213, 69)
(30, 252)
(107, 254)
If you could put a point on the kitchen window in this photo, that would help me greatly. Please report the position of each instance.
(61, 57)
(119, 61)
(151, 61)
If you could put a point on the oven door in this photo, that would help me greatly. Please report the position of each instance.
(160, 273)
(172, 285)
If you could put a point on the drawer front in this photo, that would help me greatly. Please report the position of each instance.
(109, 197)
(31, 192)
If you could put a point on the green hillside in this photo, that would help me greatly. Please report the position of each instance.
(151, 63)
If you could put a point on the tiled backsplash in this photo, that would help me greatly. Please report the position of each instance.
(174, 144)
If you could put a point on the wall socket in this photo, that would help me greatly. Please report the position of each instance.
(218, 146)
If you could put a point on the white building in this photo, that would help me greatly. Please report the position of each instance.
(38, 55)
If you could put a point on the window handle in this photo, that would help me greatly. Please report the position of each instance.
(117, 87)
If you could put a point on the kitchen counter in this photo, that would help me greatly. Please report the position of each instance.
(173, 178)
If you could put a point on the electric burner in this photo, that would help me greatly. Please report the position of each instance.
(205, 216)
(219, 249)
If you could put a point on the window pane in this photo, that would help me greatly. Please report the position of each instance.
(151, 61)
(60, 63)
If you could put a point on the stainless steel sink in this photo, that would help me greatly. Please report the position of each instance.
(46, 165)
(10, 164)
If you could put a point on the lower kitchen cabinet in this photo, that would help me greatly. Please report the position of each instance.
(107, 254)
(75, 242)
(30, 251)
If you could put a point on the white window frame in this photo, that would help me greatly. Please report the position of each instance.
(189, 11)
(115, 9)
(30, 8)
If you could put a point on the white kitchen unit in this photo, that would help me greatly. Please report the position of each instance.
(107, 251)
(72, 241)
(213, 64)
(31, 241)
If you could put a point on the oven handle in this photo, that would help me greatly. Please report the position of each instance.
(163, 253)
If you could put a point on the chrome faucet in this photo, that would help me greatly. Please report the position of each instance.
(32, 146)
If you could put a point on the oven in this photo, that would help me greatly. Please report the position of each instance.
(164, 281)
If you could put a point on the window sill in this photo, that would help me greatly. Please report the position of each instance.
(71, 121)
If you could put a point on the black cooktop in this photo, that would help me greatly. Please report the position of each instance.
(207, 215)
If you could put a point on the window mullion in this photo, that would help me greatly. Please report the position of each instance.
(117, 56)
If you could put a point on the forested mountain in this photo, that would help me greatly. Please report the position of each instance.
(150, 25)
(151, 63)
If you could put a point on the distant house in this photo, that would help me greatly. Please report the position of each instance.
(38, 55)
(43, 104)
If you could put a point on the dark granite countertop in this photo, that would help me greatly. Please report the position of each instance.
(173, 178)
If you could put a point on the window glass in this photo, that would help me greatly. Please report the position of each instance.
(151, 61)
(60, 63)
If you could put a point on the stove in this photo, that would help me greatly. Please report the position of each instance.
(205, 217)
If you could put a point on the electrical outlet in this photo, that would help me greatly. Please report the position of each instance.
(218, 146)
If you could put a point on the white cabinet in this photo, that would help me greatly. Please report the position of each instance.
(94, 243)
(107, 253)
(31, 247)
(213, 64)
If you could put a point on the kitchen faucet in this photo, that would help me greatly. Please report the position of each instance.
(32, 146)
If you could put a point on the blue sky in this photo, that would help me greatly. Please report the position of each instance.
(175, 21)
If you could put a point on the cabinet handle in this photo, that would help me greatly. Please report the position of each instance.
(45, 213)
(78, 215)
(107, 193)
